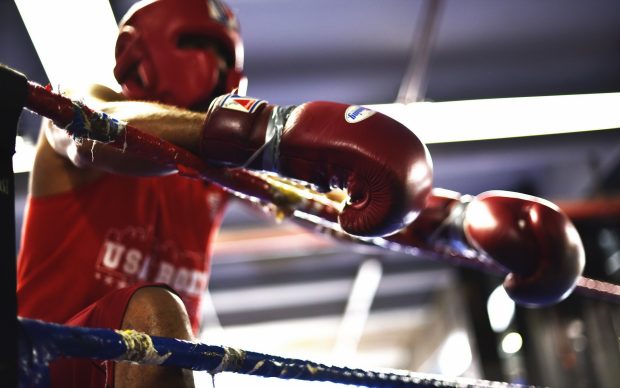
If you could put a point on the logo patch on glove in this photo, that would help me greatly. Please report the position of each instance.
(355, 114)
(243, 104)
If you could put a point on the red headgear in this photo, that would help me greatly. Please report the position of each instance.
(154, 61)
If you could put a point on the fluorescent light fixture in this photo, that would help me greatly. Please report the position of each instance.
(501, 309)
(23, 158)
(74, 39)
(512, 343)
(455, 121)
(455, 355)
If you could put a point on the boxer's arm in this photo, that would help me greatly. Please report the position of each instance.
(178, 126)
(63, 163)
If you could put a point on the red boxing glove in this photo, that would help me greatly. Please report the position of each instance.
(384, 167)
(533, 239)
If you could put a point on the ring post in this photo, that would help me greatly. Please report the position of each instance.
(13, 89)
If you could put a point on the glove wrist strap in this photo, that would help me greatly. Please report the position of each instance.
(270, 150)
(451, 234)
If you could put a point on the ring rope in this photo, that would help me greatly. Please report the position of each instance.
(53, 340)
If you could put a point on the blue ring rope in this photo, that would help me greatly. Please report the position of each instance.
(42, 342)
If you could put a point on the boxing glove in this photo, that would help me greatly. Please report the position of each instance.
(530, 238)
(384, 167)
(533, 239)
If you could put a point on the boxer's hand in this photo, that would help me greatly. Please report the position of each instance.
(533, 239)
(384, 167)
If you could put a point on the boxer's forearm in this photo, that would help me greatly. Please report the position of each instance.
(178, 126)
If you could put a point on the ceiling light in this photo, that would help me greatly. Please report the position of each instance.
(455, 121)
(74, 40)
(501, 309)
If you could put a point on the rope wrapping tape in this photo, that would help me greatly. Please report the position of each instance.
(53, 340)
(88, 124)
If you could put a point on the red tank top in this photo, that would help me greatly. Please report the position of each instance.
(115, 232)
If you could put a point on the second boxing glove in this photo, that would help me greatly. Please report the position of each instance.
(384, 167)
(533, 239)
